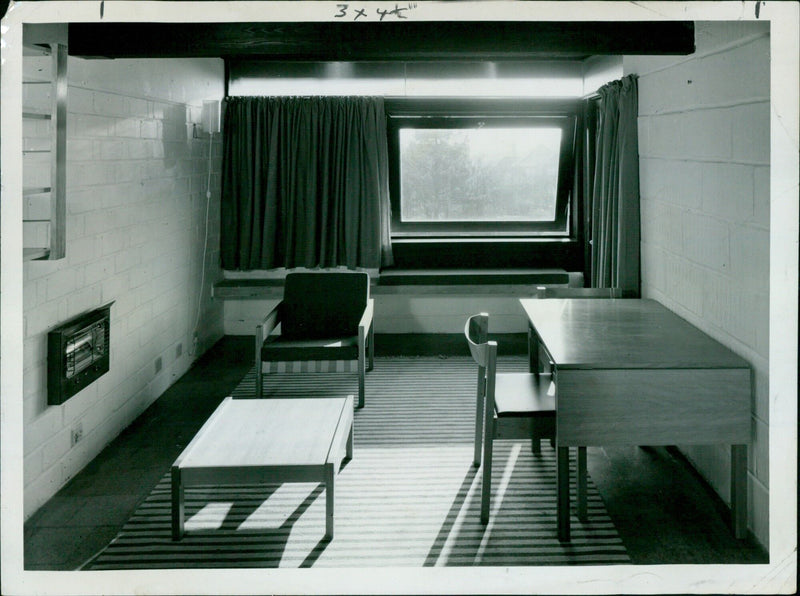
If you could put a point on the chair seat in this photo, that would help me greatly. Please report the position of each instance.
(276, 349)
(524, 394)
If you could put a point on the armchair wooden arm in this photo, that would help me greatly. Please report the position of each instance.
(263, 330)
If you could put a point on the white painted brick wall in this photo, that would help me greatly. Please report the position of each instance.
(750, 133)
(704, 172)
(136, 209)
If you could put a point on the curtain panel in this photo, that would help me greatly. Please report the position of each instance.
(305, 183)
(614, 197)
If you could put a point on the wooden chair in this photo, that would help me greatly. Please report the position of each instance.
(508, 405)
(326, 323)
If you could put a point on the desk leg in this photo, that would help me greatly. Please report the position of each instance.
(562, 488)
(330, 477)
(177, 504)
(533, 350)
(739, 490)
(582, 485)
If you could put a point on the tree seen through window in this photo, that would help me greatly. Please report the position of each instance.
(479, 174)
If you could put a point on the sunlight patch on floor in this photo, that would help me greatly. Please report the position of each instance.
(274, 512)
(209, 517)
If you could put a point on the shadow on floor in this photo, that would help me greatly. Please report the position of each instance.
(663, 511)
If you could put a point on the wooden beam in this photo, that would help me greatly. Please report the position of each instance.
(412, 40)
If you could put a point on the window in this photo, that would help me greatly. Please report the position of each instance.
(488, 170)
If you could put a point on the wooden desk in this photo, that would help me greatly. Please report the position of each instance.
(254, 441)
(632, 372)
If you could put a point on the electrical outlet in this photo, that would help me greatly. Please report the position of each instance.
(178, 350)
(159, 365)
(76, 435)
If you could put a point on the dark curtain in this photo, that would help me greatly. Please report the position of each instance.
(305, 183)
(614, 198)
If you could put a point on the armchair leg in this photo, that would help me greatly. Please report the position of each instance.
(371, 347)
(259, 371)
(362, 365)
(361, 387)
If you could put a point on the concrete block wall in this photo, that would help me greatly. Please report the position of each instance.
(136, 225)
(704, 145)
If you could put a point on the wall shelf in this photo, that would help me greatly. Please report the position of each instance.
(44, 218)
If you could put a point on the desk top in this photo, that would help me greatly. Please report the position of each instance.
(623, 334)
(259, 432)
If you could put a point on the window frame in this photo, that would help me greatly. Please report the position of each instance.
(461, 113)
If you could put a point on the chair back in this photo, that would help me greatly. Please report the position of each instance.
(323, 304)
(560, 292)
(484, 352)
(476, 330)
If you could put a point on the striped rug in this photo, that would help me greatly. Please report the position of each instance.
(409, 497)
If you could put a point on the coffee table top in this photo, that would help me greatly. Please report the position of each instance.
(251, 432)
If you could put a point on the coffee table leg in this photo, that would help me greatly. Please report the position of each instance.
(177, 504)
(330, 476)
(349, 448)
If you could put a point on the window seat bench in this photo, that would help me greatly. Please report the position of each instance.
(431, 282)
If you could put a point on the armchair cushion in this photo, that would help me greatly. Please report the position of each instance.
(323, 305)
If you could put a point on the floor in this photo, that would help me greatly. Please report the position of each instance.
(663, 511)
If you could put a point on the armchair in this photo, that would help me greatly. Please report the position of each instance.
(326, 318)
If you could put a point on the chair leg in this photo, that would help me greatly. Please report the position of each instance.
(476, 459)
(259, 380)
(486, 485)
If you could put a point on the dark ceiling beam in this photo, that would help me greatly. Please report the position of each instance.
(411, 40)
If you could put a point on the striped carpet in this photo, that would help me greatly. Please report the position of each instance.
(409, 497)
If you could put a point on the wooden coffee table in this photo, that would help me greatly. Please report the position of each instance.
(259, 441)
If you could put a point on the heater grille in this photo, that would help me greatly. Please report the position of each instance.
(78, 354)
